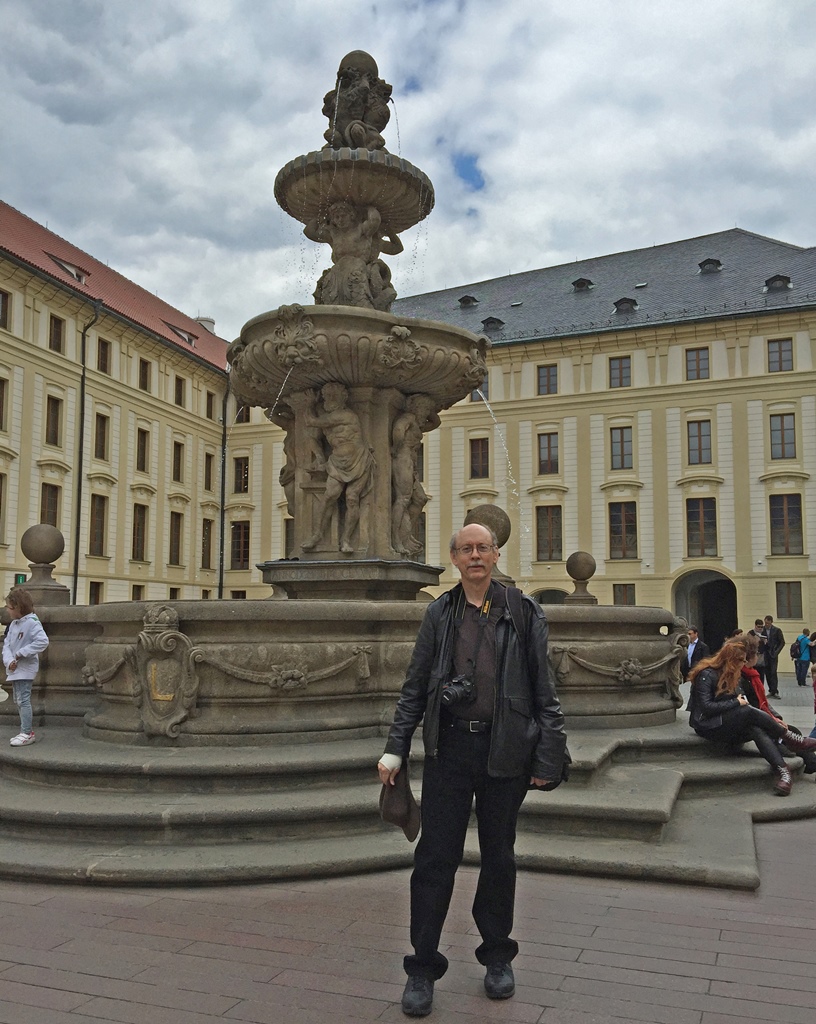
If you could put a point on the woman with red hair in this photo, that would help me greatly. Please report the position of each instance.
(720, 712)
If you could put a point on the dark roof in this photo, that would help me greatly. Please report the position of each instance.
(34, 245)
(665, 279)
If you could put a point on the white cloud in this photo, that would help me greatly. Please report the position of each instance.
(151, 134)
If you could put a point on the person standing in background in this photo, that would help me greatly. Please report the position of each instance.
(775, 643)
(802, 663)
(759, 632)
(696, 651)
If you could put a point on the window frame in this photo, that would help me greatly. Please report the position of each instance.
(240, 539)
(104, 363)
(701, 513)
(177, 475)
(626, 511)
(549, 533)
(5, 310)
(624, 591)
(142, 450)
(548, 455)
(698, 444)
(209, 464)
(141, 518)
(788, 595)
(240, 477)
(791, 531)
(621, 454)
(101, 440)
(785, 434)
(53, 421)
(50, 502)
(56, 334)
(620, 371)
(207, 534)
(479, 452)
(696, 370)
(98, 526)
(174, 547)
(551, 371)
(780, 352)
(180, 391)
(145, 374)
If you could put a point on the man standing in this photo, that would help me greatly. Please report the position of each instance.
(802, 663)
(773, 648)
(492, 727)
(697, 650)
(759, 632)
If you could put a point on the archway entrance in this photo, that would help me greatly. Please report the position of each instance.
(550, 596)
(708, 600)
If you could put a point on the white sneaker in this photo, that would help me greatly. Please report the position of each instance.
(22, 739)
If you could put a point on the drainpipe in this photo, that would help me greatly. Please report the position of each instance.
(222, 513)
(80, 462)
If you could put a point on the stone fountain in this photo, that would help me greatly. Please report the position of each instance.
(205, 741)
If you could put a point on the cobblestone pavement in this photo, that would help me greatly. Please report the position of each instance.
(594, 951)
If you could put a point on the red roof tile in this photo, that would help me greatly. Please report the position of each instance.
(38, 247)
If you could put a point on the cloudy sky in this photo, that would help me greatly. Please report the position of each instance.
(149, 133)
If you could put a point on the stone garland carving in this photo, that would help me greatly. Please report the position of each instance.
(357, 107)
(629, 671)
(350, 466)
(165, 681)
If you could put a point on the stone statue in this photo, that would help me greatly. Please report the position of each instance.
(409, 497)
(358, 276)
(284, 417)
(349, 467)
(357, 108)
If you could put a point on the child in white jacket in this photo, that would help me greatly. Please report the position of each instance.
(23, 642)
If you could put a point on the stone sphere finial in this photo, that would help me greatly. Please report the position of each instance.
(361, 61)
(42, 544)
(494, 518)
(581, 568)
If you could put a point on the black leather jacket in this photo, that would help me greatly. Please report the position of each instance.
(527, 734)
(705, 707)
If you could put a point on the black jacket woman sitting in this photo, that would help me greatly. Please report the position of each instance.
(720, 712)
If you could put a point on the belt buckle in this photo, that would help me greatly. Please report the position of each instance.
(471, 723)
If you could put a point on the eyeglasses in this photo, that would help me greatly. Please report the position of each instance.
(468, 549)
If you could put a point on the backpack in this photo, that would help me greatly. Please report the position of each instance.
(795, 650)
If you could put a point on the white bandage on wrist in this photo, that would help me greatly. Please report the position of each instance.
(391, 761)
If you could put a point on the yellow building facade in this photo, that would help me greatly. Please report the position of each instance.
(656, 408)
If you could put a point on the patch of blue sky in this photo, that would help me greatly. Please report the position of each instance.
(466, 166)
(411, 84)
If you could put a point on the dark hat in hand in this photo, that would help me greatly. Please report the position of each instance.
(397, 804)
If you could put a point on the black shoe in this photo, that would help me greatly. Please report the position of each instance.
(499, 982)
(774, 694)
(417, 999)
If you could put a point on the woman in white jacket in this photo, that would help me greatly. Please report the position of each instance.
(23, 643)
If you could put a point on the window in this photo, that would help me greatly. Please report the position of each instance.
(101, 430)
(53, 421)
(623, 593)
(548, 380)
(420, 461)
(56, 333)
(3, 393)
(142, 450)
(701, 527)
(210, 405)
(176, 526)
(209, 461)
(206, 595)
(206, 543)
(242, 415)
(783, 436)
(50, 504)
(139, 533)
(238, 595)
(548, 533)
(699, 442)
(621, 439)
(2, 506)
(786, 524)
(241, 478)
(239, 544)
(780, 355)
(697, 364)
(95, 591)
(174, 594)
(479, 458)
(144, 375)
(103, 355)
(288, 538)
(5, 310)
(137, 592)
(482, 393)
(620, 371)
(547, 453)
(178, 462)
(99, 525)
(789, 600)
(180, 390)
(623, 529)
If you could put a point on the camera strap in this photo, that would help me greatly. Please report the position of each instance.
(484, 615)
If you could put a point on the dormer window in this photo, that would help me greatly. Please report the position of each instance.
(626, 305)
(468, 301)
(184, 335)
(583, 284)
(778, 283)
(710, 266)
(492, 323)
(77, 273)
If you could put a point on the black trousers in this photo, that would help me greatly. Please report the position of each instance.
(449, 785)
(770, 674)
(746, 724)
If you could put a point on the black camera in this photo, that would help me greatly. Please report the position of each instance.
(459, 690)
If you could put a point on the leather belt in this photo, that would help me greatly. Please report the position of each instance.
(463, 725)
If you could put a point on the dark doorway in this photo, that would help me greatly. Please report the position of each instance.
(708, 600)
